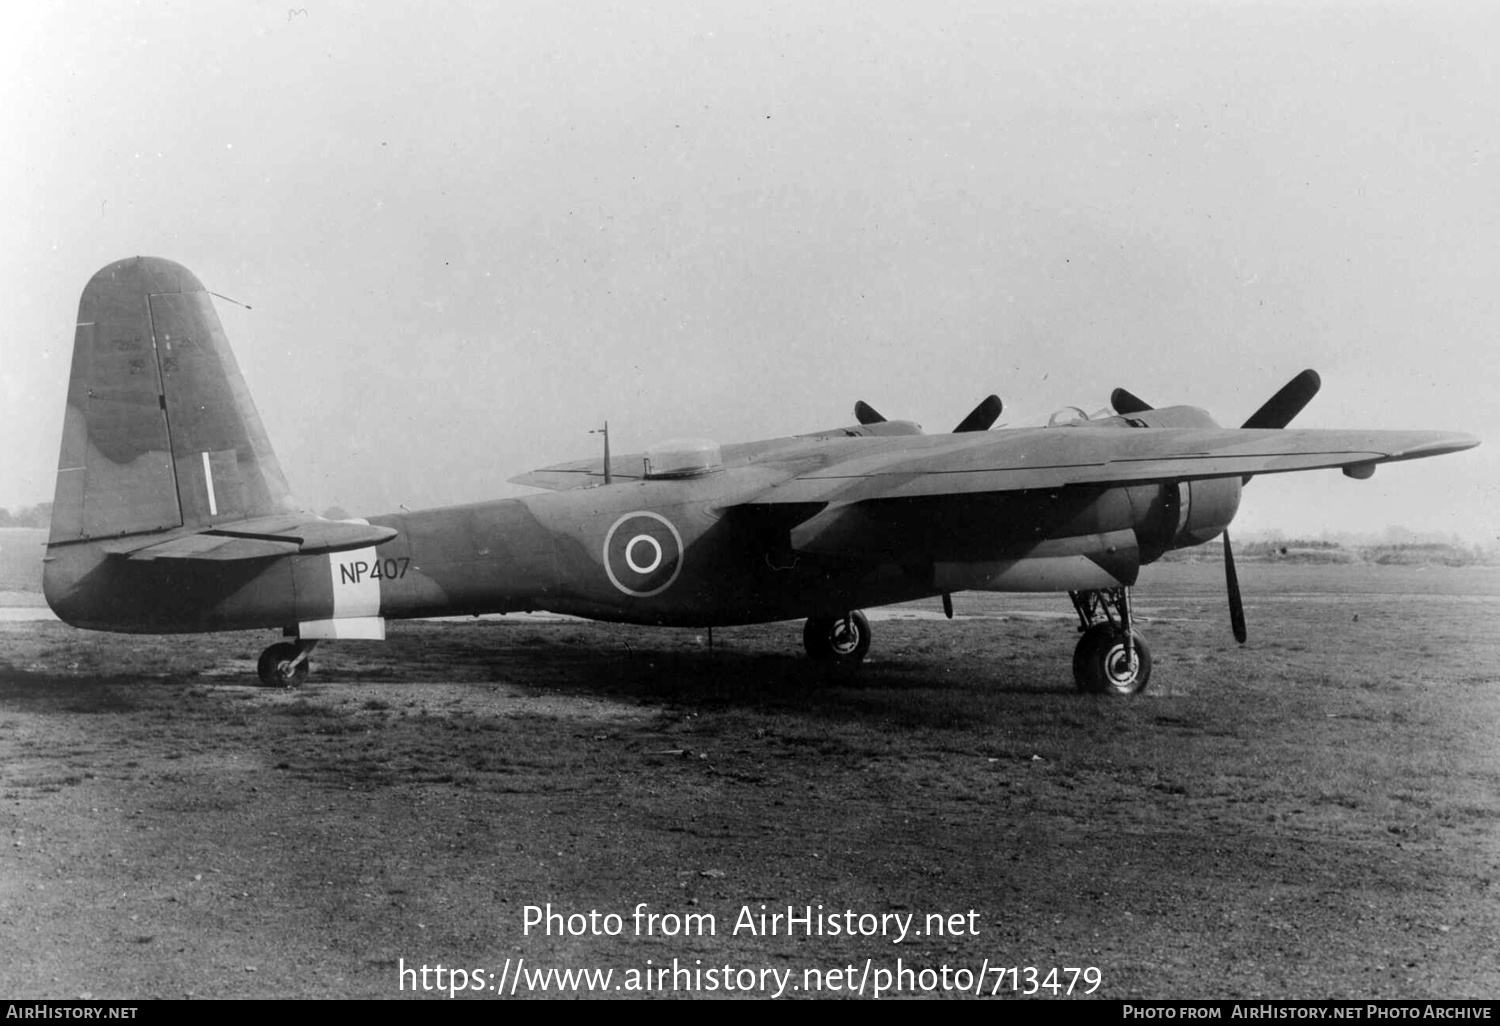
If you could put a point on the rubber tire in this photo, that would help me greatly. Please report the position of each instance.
(270, 667)
(1092, 638)
(1102, 661)
(823, 643)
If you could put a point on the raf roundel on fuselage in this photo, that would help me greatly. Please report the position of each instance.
(642, 554)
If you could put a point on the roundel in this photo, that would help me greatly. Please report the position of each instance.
(642, 554)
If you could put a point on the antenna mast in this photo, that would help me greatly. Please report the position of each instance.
(605, 432)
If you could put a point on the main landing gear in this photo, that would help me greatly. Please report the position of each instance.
(284, 664)
(842, 640)
(1111, 657)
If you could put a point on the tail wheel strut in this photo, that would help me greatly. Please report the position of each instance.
(284, 664)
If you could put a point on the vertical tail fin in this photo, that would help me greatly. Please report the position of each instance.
(160, 430)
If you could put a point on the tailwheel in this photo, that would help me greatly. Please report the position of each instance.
(285, 665)
(1108, 662)
(843, 640)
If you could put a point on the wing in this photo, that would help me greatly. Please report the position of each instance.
(1053, 458)
(264, 538)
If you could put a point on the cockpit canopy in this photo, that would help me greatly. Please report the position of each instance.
(1073, 416)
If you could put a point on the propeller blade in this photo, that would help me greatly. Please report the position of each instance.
(982, 417)
(1232, 584)
(1278, 411)
(867, 414)
(1125, 403)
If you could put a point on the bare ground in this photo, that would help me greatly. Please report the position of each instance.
(1314, 815)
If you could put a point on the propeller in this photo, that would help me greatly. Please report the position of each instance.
(1126, 403)
(1276, 412)
(1232, 585)
(982, 417)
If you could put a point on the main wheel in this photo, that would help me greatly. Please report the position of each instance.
(1103, 665)
(1093, 638)
(843, 639)
(276, 669)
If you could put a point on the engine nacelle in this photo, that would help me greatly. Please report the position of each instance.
(1203, 508)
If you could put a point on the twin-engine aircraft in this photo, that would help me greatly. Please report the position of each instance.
(172, 514)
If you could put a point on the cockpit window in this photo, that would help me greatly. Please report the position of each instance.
(1068, 416)
(1073, 416)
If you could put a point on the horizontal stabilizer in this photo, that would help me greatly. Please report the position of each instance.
(264, 538)
(212, 548)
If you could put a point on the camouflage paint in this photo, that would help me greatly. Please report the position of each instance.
(172, 514)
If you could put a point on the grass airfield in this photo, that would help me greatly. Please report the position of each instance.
(1312, 815)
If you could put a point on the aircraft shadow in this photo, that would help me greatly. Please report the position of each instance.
(760, 669)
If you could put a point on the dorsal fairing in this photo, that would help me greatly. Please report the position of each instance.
(875, 429)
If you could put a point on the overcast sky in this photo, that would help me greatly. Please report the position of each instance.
(471, 232)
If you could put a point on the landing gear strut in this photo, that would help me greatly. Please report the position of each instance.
(1111, 657)
(842, 640)
(284, 664)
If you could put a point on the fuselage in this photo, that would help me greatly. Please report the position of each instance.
(671, 552)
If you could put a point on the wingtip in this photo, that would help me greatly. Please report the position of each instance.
(1435, 445)
(1457, 442)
